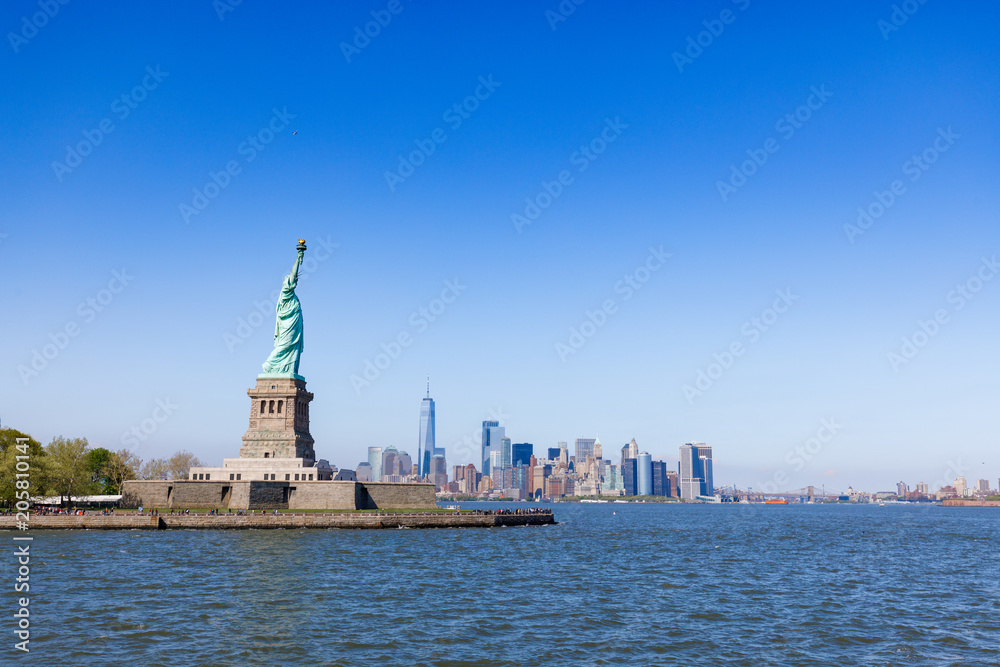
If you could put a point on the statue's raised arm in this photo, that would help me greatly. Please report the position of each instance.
(284, 359)
(293, 278)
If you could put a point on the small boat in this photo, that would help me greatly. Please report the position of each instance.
(775, 501)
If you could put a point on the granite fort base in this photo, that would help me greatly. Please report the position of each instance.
(258, 494)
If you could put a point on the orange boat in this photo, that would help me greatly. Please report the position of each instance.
(776, 501)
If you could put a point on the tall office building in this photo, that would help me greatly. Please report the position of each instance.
(644, 474)
(426, 449)
(404, 464)
(390, 466)
(661, 483)
(696, 471)
(493, 435)
(364, 473)
(902, 489)
(983, 486)
(612, 480)
(630, 476)
(633, 450)
(375, 461)
(520, 453)
(598, 449)
(553, 454)
(584, 448)
(439, 471)
(673, 484)
(505, 453)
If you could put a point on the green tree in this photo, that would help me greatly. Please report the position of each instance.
(97, 461)
(122, 466)
(181, 463)
(69, 474)
(8, 466)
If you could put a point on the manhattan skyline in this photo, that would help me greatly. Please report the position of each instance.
(804, 234)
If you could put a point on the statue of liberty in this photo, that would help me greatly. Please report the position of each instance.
(284, 359)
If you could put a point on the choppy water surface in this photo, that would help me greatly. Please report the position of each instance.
(611, 584)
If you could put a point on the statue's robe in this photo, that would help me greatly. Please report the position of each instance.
(287, 331)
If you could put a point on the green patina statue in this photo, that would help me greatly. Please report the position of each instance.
(284, 359)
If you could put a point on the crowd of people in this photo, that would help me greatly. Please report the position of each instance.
(519, 510)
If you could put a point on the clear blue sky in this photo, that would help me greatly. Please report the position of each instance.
(606, 68)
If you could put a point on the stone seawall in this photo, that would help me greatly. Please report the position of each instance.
(961, 502)
(277, 495)
(269, 521)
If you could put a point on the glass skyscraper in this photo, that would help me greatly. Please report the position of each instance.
(644, 474)
(375, 461)
(696, 471)
(426, 449)
(630, 476)
(521, 453)
(493, 435)
(584, 448)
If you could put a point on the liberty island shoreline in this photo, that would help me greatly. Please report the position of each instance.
(345, 520)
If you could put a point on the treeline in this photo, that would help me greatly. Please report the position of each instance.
(71, 467)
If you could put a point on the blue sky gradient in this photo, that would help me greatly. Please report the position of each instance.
(389, 251)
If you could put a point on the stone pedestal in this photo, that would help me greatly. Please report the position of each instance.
(279, 421)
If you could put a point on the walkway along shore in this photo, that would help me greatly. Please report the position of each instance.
(123, 521)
